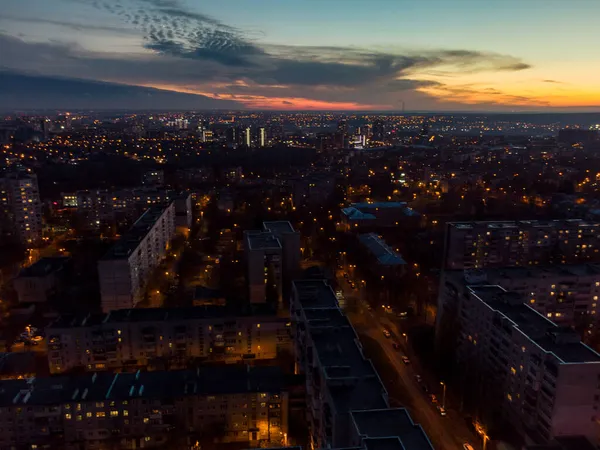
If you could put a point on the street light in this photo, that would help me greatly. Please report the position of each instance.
(443, 395)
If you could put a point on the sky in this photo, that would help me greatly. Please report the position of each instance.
(420, 55)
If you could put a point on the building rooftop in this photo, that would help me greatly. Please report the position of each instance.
(522, 224)
(326, 317)
(139, 315)
(315, 294)
(136, 234)
(366, 211)
(563, 343)
(339, 353)
(279, 227)
(45, 266)
(103, 386)
(366, 393)
(380, 250)
(262, 240)
(386, 423)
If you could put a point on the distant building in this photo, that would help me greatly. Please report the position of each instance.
(146, 409)
(151, 338)
(42, 280)
(207, 136)
(125, 269)
(313, 189)
(471, 245)
(378, 130)
(248, 137)
(578, 136)
(542, 378)
(381, 256)
(154, 178)
(262, 137)
(20, 208)
(359, 216)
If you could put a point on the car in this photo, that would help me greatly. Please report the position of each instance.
(442, 411)
(467, 446)
(396, 346)
(418, 378)
(37, 338)
(433, 398)
(405, 360)
(386, 333)
(369, 308)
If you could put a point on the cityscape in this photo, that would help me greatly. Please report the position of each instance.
(299, 226)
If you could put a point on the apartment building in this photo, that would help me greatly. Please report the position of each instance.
(342, 387)
(101, 207)
(154, 338)
(273, 260)
(539, 375)
(42, 280)
(145, 409)
(566, 294)
(124, 270)
(20, 208)
(361, 216)
(471, 245)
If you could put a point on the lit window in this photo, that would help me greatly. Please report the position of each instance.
(68, 416)
(100, 414)
(146, 420)
(114, 413)
(88, 414)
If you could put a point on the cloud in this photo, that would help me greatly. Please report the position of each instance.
(553, 81)
(19, 91)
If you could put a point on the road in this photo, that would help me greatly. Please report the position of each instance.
(448, 432)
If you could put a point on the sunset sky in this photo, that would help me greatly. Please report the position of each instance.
(489, 55)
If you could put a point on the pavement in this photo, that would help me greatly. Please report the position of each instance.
(448, 432)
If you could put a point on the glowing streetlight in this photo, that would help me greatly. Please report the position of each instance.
(443, 395)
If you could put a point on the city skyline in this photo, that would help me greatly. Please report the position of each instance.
(433, 55)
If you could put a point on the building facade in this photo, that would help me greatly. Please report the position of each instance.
(20, 207)
(125, 269)
(154, 338)
(145, 409)
(539, 375)
(471, 245)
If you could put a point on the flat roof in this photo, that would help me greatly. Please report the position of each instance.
(563, 343)
(325, 317)
(315, 294)
(380, 250)
(103, 386)
(140, 315)
(44, 266)
(495, 275)
(279, 227)
(522, 224)
(136, 234)
(264, 240)
(366, 393)
(339, 353)
(392, 422)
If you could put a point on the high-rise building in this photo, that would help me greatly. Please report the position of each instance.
(207, 136)
(539, 375)
(273, 259)
(378, 130)
(262, 137)
(21, 207)
(248, 137)
(154, 177)
(231, 137)
(125, 269)
(471, 245)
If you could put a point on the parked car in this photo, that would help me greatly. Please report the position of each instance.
(467, 446)
(386, 333)
(405, 359)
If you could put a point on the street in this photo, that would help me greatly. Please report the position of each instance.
(447, 432)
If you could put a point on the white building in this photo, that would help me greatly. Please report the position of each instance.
(539, 375)
(124, 270)
(153, 337)
(20, 207)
